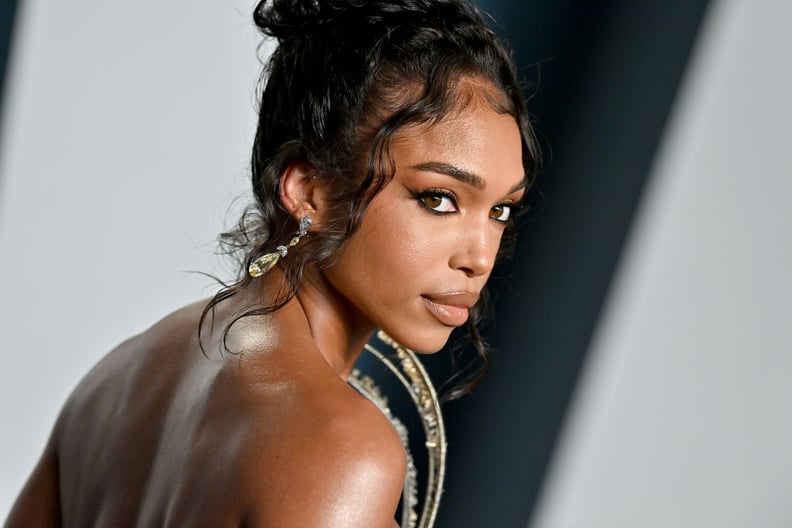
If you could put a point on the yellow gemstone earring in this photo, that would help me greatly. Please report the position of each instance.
(265, 262)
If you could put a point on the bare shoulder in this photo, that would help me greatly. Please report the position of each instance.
(337, 462)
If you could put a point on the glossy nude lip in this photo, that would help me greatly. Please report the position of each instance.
(452, 308)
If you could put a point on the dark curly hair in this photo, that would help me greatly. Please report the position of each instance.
(345, 77)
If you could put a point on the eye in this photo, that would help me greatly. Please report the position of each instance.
(501, 213)
(437, 201)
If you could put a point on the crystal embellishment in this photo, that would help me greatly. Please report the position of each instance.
(265, 262)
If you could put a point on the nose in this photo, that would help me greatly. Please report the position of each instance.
(476, 249)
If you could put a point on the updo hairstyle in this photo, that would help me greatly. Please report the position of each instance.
(345, 77)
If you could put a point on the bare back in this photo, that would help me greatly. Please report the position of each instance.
(161, 434)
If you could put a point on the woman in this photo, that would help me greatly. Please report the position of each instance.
(392, 150)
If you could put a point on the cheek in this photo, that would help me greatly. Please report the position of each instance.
(394, 256)
(405, 241)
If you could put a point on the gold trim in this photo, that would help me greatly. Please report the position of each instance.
(409, 370)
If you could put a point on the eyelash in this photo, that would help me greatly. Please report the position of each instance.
(421, 197)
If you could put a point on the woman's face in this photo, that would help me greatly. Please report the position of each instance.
(427, 244)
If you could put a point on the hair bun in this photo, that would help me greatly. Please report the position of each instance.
(285, 18)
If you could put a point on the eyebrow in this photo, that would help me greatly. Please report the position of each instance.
(462, 175)
(453, 171)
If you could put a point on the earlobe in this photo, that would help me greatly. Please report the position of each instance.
(300, 191)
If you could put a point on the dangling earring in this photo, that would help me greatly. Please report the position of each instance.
(264, 263)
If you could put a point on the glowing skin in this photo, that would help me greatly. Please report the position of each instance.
(427, 243)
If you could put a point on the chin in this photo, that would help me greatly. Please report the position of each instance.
(421, 342)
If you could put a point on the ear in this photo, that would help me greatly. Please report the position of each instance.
(301, 192)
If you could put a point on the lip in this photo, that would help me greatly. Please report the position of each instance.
(450, 308)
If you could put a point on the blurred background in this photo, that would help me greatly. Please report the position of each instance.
(642, 334)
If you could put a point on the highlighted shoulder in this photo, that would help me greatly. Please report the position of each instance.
(345, 467)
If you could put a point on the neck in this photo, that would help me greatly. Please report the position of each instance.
(339, 330)
(317, 315)
(318, 312)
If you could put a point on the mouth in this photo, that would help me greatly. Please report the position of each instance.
(451, 309)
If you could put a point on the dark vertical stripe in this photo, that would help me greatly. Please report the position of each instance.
(607, 77)
(8, 10)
